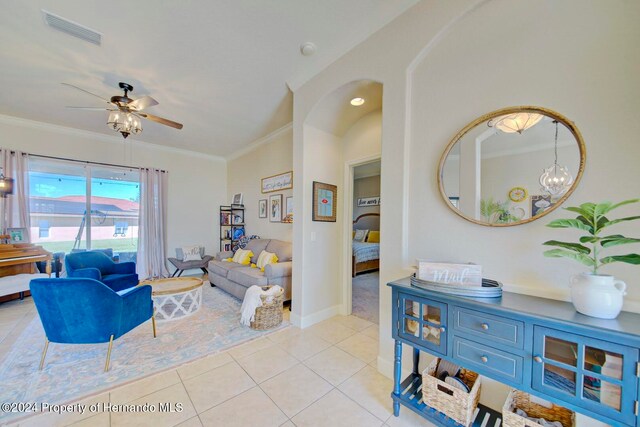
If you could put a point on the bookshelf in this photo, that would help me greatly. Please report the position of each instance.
(231, 225)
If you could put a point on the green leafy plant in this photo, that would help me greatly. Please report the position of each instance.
(592, 219)
(496, 212)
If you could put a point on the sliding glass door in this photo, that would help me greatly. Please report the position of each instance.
(75, 206)
(115, 198)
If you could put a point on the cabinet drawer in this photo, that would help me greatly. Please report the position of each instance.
(487, 360)
(493, 328)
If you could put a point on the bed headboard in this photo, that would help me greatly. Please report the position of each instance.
(368, 221)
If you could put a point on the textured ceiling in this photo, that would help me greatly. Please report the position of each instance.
(222, 68)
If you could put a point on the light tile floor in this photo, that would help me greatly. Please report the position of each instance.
(324, 375)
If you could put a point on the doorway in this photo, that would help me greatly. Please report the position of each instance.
(365, 244)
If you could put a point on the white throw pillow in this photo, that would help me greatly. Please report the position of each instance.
(266, 258)
(360, 235)
(191, 253)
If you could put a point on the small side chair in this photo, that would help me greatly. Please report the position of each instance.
(86, 311)
(181, 265)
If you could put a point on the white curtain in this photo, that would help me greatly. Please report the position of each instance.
(15, 207)
(152, 226)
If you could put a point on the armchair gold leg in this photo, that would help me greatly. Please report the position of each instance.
(44, 352)
(153, 322)
(106, 365)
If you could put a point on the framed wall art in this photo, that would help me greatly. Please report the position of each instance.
(17, 235)
(540, 203)
(324, 202)
(262, 208)
(275, 208)
(237, 199)
(368, 201)
(280, 182)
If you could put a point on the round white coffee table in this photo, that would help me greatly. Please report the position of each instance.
(175, 298)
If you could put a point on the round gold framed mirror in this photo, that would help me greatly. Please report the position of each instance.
(511, 166)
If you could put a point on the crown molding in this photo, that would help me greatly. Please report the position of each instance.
(259, 142)
(96, 136)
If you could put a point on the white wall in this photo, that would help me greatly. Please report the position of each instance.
(364, 138)
(445, 63)
(365, 187)
(321, 294)
(197, 182)
(244, 173)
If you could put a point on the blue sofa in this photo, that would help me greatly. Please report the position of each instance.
(98, 266)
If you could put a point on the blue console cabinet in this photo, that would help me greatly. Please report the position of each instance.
(538, 345)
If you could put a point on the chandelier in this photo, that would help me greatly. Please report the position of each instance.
(125, 123)
(516, 122)
(556, 179)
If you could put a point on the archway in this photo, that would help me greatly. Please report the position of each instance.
(336, 136)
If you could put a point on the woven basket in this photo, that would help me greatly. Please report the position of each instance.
(270, 314)
(520, 399)
(454, 403)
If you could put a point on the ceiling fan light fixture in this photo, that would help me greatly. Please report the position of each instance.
(125, 123)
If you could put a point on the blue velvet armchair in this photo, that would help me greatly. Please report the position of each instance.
(96, 265)
(86, 311)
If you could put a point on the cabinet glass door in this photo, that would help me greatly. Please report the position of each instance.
(423, 322)
(597, 375)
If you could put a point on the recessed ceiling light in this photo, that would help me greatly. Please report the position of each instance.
(356, 102)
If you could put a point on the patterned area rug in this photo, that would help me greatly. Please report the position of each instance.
(75, 370)
(365, 302)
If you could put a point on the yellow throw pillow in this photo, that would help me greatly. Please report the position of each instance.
(243, 256)
(373, 237)
(266, 258)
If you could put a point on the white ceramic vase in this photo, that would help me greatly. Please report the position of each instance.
(597, 295)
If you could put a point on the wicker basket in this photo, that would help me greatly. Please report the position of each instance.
(521, 400)
(455, 403)
(270, 314)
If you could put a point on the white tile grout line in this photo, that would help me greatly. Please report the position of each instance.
(189, 396)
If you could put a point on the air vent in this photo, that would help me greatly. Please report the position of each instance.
(72, 28)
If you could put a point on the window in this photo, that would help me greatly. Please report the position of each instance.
(78, 207)
(43, 229)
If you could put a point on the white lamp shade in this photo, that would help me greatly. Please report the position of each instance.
(517, 122)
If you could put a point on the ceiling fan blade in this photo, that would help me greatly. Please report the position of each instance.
(160, 120)
(142, 103)
(92, 108)
(86, 91)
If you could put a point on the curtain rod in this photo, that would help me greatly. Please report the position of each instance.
(87, 162)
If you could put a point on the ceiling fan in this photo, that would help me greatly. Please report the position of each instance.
(125, 113)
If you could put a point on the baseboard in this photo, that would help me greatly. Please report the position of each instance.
(317, 317)
(385, 367)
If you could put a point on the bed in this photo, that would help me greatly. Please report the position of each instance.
(366, 255)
